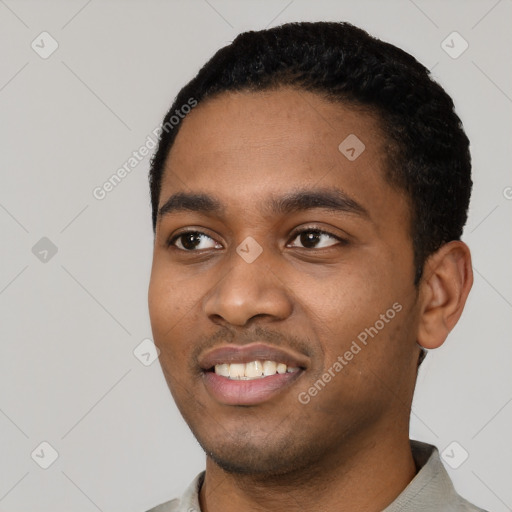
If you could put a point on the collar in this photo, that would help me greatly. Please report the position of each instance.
(431, 488)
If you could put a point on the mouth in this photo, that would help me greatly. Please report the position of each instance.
(252, 370)
(251, 374)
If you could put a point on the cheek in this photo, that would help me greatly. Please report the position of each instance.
(159, 301)
(346, 300)
(171, 295)
(168, 315)
(168, 304)
(358, 313)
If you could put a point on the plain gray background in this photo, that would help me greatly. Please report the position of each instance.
(70, 321)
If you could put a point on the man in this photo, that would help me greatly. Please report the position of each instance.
(309, 192)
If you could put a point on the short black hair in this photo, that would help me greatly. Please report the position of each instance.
(427, 151)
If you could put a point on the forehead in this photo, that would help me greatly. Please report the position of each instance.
(244, 146)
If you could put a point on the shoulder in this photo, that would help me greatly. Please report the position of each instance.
(189, 501)
(463, 505)
(431, 488)
(169, 506)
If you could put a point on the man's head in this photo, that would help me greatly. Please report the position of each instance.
(427, 151)
(307, 211)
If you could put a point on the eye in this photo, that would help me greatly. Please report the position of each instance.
(193, 240)
(312, 238)
(317, 239)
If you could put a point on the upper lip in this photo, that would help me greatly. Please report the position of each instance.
(253, 352)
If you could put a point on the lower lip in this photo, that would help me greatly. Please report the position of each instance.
(247, 392)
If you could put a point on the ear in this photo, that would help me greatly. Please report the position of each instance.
(444, 288)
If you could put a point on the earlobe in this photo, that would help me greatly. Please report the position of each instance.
(447, 280)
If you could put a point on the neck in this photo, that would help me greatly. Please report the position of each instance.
(366, 478)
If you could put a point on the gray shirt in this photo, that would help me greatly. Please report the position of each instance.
(430, 490)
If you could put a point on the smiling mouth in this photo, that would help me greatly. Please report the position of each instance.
(252, 370)
(251, 374)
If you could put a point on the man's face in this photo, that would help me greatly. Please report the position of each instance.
(302, 285)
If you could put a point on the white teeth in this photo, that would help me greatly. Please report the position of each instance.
(281, 368)
(222, 369)
(269, 368)
(252, 370)
(236, 371)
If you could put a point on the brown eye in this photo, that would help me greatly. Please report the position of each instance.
(316, 239)
(192, 241)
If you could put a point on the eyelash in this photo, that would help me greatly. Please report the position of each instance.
(294, 235)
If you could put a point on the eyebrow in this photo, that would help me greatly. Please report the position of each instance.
(328, 199)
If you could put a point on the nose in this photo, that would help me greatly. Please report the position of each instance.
(248, 290)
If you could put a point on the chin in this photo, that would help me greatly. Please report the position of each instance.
(266, 458)
(258, 465)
